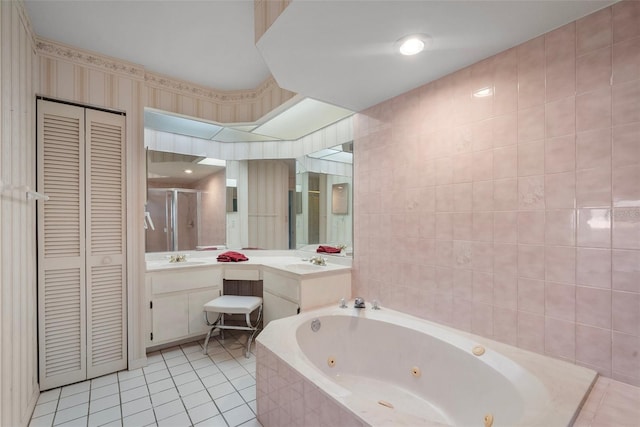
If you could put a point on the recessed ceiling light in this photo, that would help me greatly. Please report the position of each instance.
(413, 44)
(188, 171)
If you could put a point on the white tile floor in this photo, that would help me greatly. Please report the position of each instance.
(180, 386)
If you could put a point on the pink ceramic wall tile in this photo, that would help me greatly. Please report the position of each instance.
(531, 158)
(626, 186)
(593, 306)
(444, 198)
(593, 347)
(559, 338)
(626, 60)
(560, 227)
(483, 196)
(560, 62)
(444, 253)
(505, 227)
(531, 124)
(593, 110)
(461, 314)
(594, 228)
(594, 149)
(531, 228)
(505, 291)
(427, 228)
(531, 331)
(505, 130)
(483, 226)
(482, 256)
(593, 70)
(594, 267)
(626, 150)
(444, 226)
(482, 134)
(626, 228)
(463, 168)
(462, 226)
(560, 154)
(531, 261)
(482, 319)
(505, 162)
(462, 254)
(625, 352)
(626, 102)
(482, 290)
(531, 295)
(560, 264)
(593, 187)
(626, 270)
(505, 325)
(505, 194)
(462, 197)
(482, 165)
(560, 190)
(462, 284)
(560, 117)
(505, 259)
(444, 171)
(626, 20)
(531, 192)
(626, 312)
(593, 31)
(560, 301)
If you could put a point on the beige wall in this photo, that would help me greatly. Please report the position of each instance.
(515, 216)
(18, 325)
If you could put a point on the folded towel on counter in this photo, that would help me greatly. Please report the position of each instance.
(231, 256)
(328, 249)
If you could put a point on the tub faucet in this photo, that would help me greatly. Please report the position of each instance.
(358, 303)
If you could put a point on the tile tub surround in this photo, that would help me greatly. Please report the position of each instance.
(520, 210)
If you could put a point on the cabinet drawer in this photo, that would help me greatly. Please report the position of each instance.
(176, 281)
(241, 274)
(283, 286)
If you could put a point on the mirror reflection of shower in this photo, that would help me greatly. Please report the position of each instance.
(178, 218)
(186, 200)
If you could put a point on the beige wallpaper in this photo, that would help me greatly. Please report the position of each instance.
(18, 334)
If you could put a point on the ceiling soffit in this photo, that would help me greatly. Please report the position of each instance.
(232, 106)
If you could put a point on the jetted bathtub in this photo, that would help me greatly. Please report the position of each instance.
(353, 367)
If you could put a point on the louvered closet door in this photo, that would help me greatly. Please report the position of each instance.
(106, 291)
(61, 245)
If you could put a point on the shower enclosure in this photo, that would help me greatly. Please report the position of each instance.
(177, 216)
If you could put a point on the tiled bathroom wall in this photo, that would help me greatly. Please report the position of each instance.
(504, 199)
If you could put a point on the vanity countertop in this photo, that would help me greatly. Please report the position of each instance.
(289, 262)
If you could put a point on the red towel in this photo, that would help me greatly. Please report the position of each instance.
(328, 249)
(231, 256)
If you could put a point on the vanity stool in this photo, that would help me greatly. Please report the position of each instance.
(233, 304)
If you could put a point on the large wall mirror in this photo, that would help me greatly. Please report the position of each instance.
(186, 202)
(256, 197)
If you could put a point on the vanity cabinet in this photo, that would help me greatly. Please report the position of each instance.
(176, 299)
(287, 294)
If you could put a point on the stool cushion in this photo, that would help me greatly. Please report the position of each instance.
(233, 304)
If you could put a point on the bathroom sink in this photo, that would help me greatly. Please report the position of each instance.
(305, 267)
(167, 264)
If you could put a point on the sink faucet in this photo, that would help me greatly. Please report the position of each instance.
(359, 303)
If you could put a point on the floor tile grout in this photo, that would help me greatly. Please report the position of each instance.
(228, 365)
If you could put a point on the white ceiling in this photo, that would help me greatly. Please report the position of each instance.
(340, 52)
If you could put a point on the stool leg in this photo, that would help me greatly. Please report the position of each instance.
(206, 340)
(222, 324)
